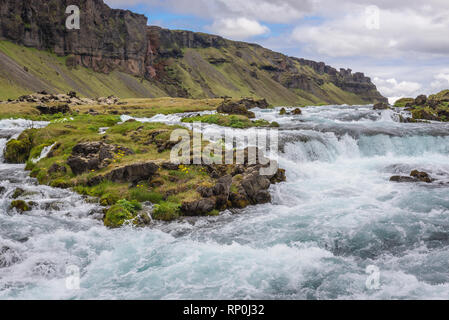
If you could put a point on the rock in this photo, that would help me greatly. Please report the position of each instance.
(18, 150)
(56, 168)
(402, 179)
(170, 166)
(2, 190)
(198, 207)
(133, 173)
(381, 106)
(415, 176)
(421, 176)
(241, 107)
(20, 205)
(283, 112)
(64, 108)
(8, 257)
(297, 111)
(88, 156)
(421, 100)
(17, 193)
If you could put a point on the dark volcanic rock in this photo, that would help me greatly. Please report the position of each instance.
(421, 100)
(88, 156)
(381, 106)
(133, 173)
(64, 108)
(415, 176)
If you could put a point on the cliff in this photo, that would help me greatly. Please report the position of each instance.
(150, 61)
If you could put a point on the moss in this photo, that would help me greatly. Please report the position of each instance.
(20, 206)
(18, 150)
(60, 183)
(166, 211)
(402, 103)
(116, 216)
(109, 199)
(233, 121)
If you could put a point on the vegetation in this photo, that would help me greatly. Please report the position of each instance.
(233, 121)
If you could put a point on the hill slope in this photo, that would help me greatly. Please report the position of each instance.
(114, 52)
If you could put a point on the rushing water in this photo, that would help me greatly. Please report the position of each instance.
(337, 214)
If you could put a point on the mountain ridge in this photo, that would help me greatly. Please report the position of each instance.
(157, 61)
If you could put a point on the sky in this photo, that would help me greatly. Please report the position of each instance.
(403, 45)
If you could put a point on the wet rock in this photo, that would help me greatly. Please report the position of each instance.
(402, 179)
(421, 176)
(297, 111)
(415, 176)
(381, 106)
(90, 156)
(283, 112)
(20, 205)
(2, 190)
(198, 207)
(17, 193)
(8, 257)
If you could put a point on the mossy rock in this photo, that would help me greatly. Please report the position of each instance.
(283, 112)
(117, 216)
(18, 150)
(121, 213)
(20, 206)
(17, 193)
(60, 183)
(109, 199)
(166, 211)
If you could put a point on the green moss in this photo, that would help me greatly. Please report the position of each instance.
(233, 121)
(401, 103)
(166, 211)
(18, 150)
(60, 183)
(142, 195)
(117, 216)
(109, 199)
(20, 206)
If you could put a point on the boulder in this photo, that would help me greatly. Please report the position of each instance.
(421, 176)
(241, 107)
(20, 205)
(297, 111)
(88, 156)
(133, 173)
(199, 207)
(421, 100)
(381, 106)
(56, 168)
(402, 179)
(283, 112)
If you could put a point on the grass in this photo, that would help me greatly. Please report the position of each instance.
(233, 121)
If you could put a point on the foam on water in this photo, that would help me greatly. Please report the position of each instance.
(336, 214)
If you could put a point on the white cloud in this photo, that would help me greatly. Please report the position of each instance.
(394, 89)
(238, 28)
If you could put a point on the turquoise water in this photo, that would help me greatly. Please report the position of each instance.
(336, 214)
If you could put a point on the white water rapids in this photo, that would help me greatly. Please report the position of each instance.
(337, 214)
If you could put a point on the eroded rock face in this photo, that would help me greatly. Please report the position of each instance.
(133, 173)
(88, 156)
(108, 39)
(234, 191)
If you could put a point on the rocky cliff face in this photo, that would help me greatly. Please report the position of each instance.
(108, 39)
(179, 63)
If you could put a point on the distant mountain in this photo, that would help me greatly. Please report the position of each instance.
(115, 52)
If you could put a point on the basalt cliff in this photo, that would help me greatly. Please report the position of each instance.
(116, 52)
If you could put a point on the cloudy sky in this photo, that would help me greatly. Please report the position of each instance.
(403, 45)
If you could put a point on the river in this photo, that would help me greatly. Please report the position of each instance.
(336, 215)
